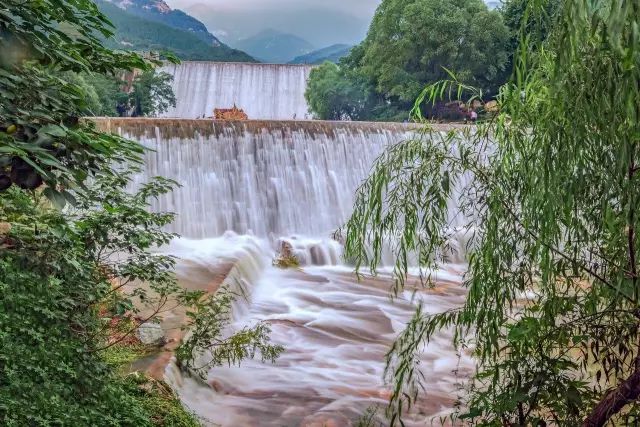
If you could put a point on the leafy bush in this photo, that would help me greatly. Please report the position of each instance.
(55, 270)
(207, 346)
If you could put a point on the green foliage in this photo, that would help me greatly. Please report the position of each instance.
(368, 419)
(102, 93)
(158, 402)
(108, 96)
(55, 269)
(34, 30)
(206, 346)
(527, 23)
(335, 94)
(123, 354)
(41, 138)
(152, 93)
(550, 195)
(411, 44)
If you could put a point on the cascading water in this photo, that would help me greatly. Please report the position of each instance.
(262, 178)
(293, 181)
(263, 91)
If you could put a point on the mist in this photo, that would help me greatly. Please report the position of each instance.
(321, 22)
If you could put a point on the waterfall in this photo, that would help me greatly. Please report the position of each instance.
(269, 179)
(263, 91)
(249, 187)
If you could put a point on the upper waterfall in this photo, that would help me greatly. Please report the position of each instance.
(263, 91)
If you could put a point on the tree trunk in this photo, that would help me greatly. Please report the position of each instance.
(628, 391)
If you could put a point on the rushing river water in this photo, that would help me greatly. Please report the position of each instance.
(336, 332)
(246, 188)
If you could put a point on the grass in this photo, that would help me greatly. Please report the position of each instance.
(158, 400)
(155, 397)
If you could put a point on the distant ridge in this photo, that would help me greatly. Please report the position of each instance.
(332, 53)
(274, 46)
(151, 25)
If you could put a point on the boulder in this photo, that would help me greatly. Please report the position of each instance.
(151, 334)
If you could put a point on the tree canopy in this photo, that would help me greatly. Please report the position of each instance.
(43, 140)
(151, 93)
(411, 44)
(547, 193)
(334, 93)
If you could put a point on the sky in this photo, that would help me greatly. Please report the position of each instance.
(321, 22)
(356, 7)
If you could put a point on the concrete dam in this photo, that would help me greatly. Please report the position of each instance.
(263, 91)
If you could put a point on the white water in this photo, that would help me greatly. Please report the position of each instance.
(293, 181)
(336, 332)
(263, 91)
(270, 179)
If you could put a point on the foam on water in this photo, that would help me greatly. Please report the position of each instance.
(294, 182)
(336, 332)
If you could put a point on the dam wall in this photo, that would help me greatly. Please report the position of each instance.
(266, 178)
(263, 91)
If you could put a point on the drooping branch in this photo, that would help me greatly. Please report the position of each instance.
(627, 392)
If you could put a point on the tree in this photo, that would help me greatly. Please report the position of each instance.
(41, 136)
(102, 93)
(151, 93)
(334, 93)
(550, 195)
(522, 23)
(410, 43)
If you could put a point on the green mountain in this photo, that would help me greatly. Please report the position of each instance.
(332, 53)
(148, 25)
(274, 46)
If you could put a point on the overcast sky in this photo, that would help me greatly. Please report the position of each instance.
(363, 8)
(321, 22)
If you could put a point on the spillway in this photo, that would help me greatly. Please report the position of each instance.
(258, 177)
(263, 91)
(248, 186)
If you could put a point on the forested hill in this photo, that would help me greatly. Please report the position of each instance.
(149, 25)
(332, 53)
(275, 46)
